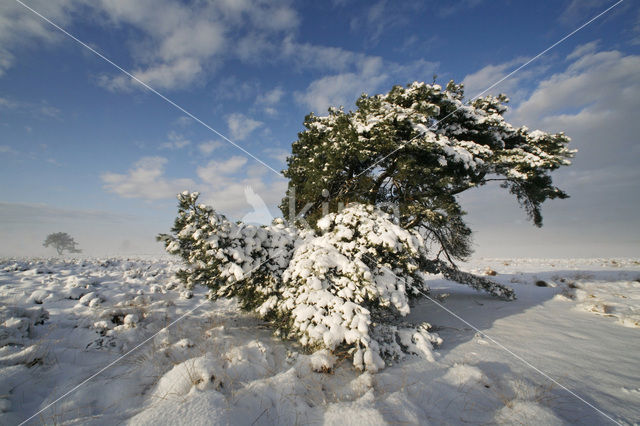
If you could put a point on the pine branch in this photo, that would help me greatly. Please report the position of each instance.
(475, 281)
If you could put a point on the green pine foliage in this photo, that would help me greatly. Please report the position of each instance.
(378, 187)
(417, 148)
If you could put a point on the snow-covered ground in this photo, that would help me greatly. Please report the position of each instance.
(187, 360)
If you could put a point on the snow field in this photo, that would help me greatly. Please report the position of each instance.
(61, 321)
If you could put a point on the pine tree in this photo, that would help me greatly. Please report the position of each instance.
(345, 283)
(232, 259)
(61, 241)
(344, 287)
(417, 148)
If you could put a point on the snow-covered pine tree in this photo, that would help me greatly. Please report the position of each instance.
(417, 148)
(347, 288)
(345, 284)
(232, 259)
(344, 287)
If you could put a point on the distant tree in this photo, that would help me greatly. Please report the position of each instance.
(61, 241)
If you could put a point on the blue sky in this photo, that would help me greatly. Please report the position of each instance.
(86, 150)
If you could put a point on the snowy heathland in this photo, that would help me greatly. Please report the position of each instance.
(192, 361)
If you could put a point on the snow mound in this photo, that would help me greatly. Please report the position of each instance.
(617, 299)
(526, 412)
(322, 361)
(358, 412)
(200, 373)
(461, 374)
(196, 408)
(17, 323)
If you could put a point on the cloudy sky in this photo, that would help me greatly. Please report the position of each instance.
(86, 149)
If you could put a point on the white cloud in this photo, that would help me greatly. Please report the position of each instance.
(176, 141)
(20, 28)
(319, 58)
(597, 84)
(177, 42)
(222, 184)
(369, 76)
(271, 97)
(176, 74)
(206, 148)
(174, 45)
(268, 100)
(54, 162)
(272, 15)
(181, 43)
(584, 49)
(408, 72)
(175, 145)
(337, 90)
(42, 109)
(476, 83)
(277, 154)
(344, 88)
(184, 121)
(212, 173)
(580, 10)
(382, 17)
(241, 126)
(231, 88)
(254, 48)
(593, 100)
(7, 104)
(355, 73)
(146, 181)
(375, 20)
(49, 111)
